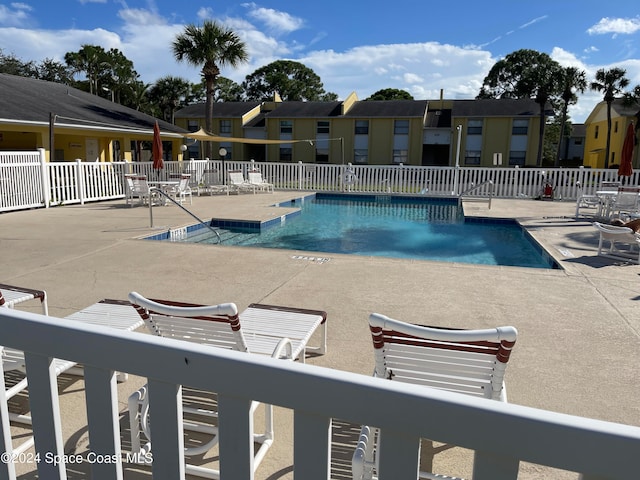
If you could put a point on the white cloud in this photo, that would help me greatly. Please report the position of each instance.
(15, 15)
(615, 26)
(140, 17)
(276, 21)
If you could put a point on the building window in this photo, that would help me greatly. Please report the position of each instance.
(362, 127)
(474, 127)
(520, 127)
(400, 156)
(361, 156)
(193, 126)
(322, 127)
(225, 127)
(615, 127)
(286, 154)
(286, 126)
(517, 158)
(577, 141)
(401, 127)
(597, 131)
(472, 157)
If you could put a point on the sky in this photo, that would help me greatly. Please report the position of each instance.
(354, 46)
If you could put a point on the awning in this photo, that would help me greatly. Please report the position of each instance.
(204, 136)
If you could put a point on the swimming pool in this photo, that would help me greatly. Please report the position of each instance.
(389, 226)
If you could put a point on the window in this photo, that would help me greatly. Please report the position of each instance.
(615, 127)
(225, 127)
(472, 157)
(362, 127)
(322, 127)
(400, 156)
(401, 127)
(286, 126)
(597, 130)
(360, 156)
(192, 126)
(517, 158)
(286, 154)
(520, 127)
(474, 127)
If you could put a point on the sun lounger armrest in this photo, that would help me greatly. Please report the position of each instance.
(278, 308)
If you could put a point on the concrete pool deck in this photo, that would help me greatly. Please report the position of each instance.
(578, 349)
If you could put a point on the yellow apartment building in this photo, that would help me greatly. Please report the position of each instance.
(596, 134)
(411, 132)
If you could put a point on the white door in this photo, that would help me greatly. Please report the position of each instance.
(92, 150)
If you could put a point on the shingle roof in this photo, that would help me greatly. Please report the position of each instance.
(388, 108)
(504, 107)
(220, 109)
(306, 110)
(30, 100)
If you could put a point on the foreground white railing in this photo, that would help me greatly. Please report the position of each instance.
(502, 434)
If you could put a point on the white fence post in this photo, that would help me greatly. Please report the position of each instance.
(45, 182)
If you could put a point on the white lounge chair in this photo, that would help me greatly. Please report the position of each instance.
(11, 295)
(109, 313)
(255, 179)
(471, 362)
(217, 326)
(591, 202)
(618, 236)
(211, 183)
(238, 183)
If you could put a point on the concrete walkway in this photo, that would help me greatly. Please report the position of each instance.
(578, 350)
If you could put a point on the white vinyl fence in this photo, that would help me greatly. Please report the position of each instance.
(502, 435)
(28, 181)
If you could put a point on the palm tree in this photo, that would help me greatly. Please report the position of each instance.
(213, 46)
(573, 81)
(611, 82)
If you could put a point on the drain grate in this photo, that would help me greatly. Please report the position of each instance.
(311, 259)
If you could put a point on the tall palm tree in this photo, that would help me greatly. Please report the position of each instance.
(213, 46)
(612, 82)
(573, 81)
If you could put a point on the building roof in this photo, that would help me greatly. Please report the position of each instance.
(503, 107)
(388, 108)
(306, 110)
(31, 101)
(220, 109)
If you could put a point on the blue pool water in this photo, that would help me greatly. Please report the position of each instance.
(397, 227)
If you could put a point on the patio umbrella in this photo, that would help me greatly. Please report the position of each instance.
(156, 150)
(626, 169)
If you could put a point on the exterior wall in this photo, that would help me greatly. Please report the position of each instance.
(595, 146)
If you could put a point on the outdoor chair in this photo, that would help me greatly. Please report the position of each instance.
(182, 190)
(624, 243)
(626, 201)
(11, 295)
(218, 326)
(211, 182)
(138, 188)
(109, 313)
(238, 183)
(591, 202)
(255, 179)
(471, 362)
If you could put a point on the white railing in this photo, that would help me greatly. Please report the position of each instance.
(27, 181)
(501, 434)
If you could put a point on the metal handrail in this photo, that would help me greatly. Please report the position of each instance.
(163, 193)
(475, 187)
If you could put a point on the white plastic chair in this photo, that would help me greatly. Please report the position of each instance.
(255, 179)
(618, 236)
(626, 201)
(182, 190)
(238, 183)
(472, 362)
(211, 183)
(137, 187)
(218, 326)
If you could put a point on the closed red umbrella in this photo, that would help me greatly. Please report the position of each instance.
(156, 150)
(626, 169)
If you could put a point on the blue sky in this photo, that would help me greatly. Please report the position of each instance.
(353, 45)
